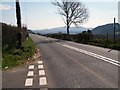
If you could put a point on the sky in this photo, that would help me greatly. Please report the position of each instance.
(37, 14)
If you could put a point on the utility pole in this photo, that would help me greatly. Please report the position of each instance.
(114, 30)
(18, 14)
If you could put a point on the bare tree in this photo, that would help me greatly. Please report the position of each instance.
(18, 14)
(72, 12)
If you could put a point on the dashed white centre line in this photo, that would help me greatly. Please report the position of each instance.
(30, 73)
(31, 67)
(40, 62)
(42, 81)
(40, 66)
(41, 72)
(29, 82)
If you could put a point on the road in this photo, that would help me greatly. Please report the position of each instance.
(66, 65)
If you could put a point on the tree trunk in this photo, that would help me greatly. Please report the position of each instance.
(68, 29)
(68, 26)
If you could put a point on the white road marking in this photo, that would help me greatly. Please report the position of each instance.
(41, 72)
(56, 42)
(43, 89)
(29, 82)
(40, 66)
(46, 38)
(31, 67)
(30, 73)
(40, 62)
(112, 61)
(42, 81)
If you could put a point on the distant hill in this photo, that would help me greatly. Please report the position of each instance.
(73, 30)
(30, 31)
(104, 29)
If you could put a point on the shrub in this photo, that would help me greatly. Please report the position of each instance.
(10, 35)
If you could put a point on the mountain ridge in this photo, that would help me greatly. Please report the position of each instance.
(106, 29)
(101, 30)
(73, 30)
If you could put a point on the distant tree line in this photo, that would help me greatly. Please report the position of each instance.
(86, 37)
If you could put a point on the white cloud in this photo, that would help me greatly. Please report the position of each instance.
(5, 7)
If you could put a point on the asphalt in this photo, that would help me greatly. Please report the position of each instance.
(14, 79)
(67, 68)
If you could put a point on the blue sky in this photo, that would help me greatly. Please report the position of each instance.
(42, 15)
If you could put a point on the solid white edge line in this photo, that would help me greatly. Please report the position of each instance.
(29, 82)
(112, 61)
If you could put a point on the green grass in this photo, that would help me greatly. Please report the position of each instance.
(106, 44)
(14, 57)
(118, 33)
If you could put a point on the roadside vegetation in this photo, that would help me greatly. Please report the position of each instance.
(86, 37)
(12, 54)
(17, 46)
(76, 13)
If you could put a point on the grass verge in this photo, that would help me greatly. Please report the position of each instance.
(14, 57)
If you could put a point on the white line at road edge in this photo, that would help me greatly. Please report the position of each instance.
(40, 66)
(29, 82)
(41, 72)
(40, 62)
(31, 67)
(43, 81)
(112, 61)
(30, 73)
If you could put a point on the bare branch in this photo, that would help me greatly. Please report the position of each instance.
(74, 12)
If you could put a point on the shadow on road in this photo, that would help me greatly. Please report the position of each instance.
(48, 41)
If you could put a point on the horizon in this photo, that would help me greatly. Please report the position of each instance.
(74, 27)
(42, 15)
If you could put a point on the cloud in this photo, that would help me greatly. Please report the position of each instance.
(5, 7)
